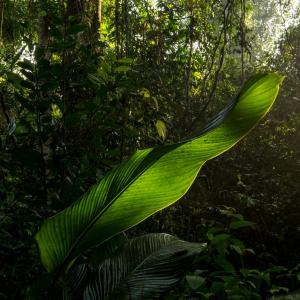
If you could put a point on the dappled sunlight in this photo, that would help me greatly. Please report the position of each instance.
(149, 149)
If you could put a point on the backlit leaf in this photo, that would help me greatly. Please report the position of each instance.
(150, 180)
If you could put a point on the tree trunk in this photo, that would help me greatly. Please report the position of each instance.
(43, 24)
(97, 17)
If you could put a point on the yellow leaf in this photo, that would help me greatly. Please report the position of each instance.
(161, 129)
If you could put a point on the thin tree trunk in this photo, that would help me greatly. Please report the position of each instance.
(117, 27)
(43, 24)
(242, 29)
(189, 70)
(99, 13)
(1, 23)
(97, 19)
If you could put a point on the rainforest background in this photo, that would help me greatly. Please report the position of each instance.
(83, 84)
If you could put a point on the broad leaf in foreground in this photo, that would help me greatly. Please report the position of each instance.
(150, 180)
(145, 268)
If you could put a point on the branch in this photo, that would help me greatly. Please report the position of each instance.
(227, 16)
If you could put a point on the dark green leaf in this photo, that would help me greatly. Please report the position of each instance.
(145, 268)
(241, 224)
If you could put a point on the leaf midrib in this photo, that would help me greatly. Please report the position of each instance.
(154, 161)
(102, 212)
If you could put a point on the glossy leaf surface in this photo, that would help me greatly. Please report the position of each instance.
(150, 180)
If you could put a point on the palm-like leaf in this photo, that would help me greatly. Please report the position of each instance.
(150, 180)
(145, 268)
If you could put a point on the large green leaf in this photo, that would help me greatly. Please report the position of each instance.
(145, 268)
(150, 180)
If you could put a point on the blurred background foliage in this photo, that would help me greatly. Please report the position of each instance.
(83, 84)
